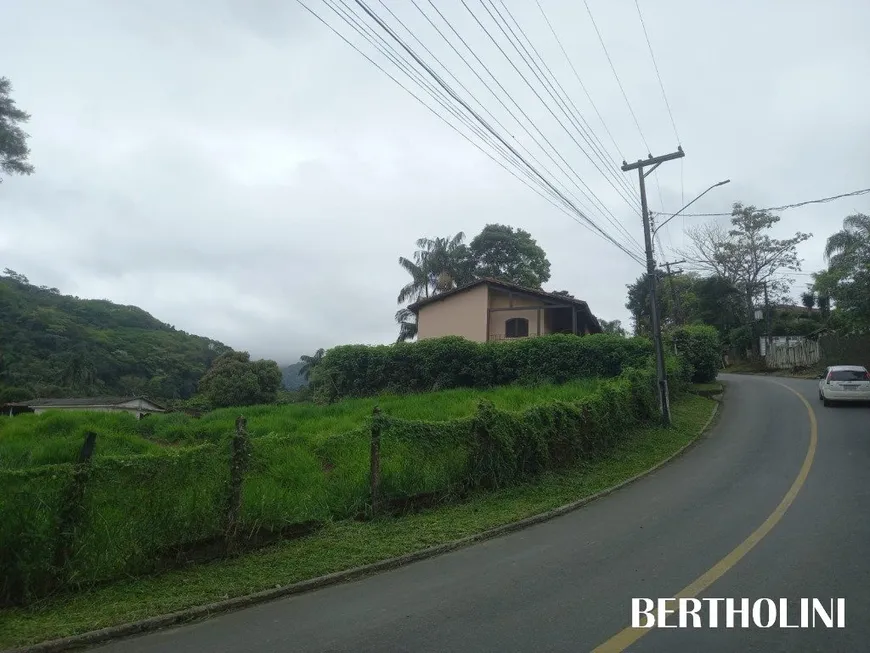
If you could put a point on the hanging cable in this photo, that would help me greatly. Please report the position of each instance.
(579, 81)
(483, 122)
(460, 83)
(823, 200)
(618, 81)
(552, 150)
(537, 190)
(658, 75)
(573, 113)
(534, 90)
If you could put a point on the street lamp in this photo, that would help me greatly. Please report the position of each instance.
(721, 183)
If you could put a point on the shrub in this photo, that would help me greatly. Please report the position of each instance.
(699, 347)
(454, 362)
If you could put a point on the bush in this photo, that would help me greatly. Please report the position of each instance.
(454, 362)
(699, 347)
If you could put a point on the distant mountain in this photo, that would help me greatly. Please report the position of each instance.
(293, 380)
(54, 345)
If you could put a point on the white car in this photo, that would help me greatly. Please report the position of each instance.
(844, 383)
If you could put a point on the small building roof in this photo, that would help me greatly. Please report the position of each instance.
(72, 402)
(509, 287)
(504, 285)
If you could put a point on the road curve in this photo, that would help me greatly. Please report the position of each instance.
(567, 584)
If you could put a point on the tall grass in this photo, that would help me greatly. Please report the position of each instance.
(55, 437)
(162, 484)
(31, 440)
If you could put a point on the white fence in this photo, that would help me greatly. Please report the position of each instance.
(793, 354)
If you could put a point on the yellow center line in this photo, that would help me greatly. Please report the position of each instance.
(625, 638)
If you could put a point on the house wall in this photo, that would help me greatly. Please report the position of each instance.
(137, 407)
(463, 314)
(497, 319)
(100, 409)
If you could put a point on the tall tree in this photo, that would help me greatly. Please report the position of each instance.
(808, 299)
(14, 152)
(309, 363)
(746, 255)
(438, 265)
(509, 254)
(847, 279)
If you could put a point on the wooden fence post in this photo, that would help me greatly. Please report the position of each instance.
(238, 466)
(375, 471)
(71, 510)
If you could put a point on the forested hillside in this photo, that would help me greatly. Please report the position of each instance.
(292, 377)
(54, 345)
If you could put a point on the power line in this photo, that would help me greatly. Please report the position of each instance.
(780, 208)
(655, 65)
(618, 81)
(534, 90)
(580, 81)
(447, 122)
(465, 88)
(485, 124)
(574, 116)
(572, 175)
(500, 146)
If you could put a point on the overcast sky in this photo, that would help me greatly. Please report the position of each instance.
(238, 171)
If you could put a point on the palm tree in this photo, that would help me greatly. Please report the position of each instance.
(438, 265)
(309, 363)
(850, 247)
(418, 286)
(407, 325)
(447, 261)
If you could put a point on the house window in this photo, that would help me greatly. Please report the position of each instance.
(516, 327)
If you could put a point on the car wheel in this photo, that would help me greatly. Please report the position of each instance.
(826, 402)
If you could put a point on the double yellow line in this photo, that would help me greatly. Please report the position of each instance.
(625, 638)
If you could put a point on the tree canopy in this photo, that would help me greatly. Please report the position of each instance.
(613, 327)
(14, 152)
(511, 255)
(235, 380)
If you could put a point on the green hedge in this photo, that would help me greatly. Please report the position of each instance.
(137, 509)
(454, 362)
(699, 347)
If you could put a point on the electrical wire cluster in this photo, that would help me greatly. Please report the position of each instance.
(823, 200)
(510, 133)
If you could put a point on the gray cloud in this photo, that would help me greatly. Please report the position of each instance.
(239, 172)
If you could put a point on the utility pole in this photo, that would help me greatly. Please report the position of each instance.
(677, 309)
(662, 378)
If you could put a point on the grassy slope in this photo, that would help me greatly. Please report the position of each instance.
(347, 544)
(29, 440)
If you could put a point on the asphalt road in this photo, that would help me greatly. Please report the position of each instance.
(567, 585)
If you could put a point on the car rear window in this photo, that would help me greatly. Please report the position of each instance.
(848, 375)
